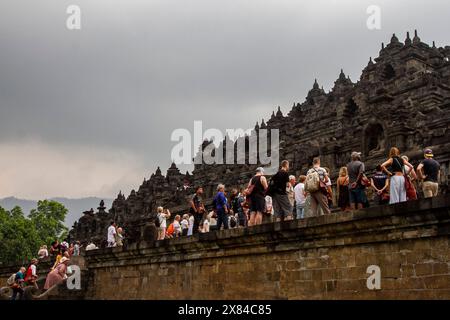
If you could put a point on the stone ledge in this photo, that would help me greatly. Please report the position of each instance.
(416, 219)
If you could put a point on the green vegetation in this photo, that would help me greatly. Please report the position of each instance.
(21, 236)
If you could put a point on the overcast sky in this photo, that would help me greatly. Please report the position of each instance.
(90, 112)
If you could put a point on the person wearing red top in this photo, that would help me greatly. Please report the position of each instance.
(31, 275)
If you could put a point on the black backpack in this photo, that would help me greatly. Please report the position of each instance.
(271, 188)
(157, 221)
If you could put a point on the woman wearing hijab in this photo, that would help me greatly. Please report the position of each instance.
(58, 274)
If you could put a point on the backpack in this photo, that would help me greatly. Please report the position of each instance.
(11, 280)
(271, 188)
(312, 183)
(157, 222)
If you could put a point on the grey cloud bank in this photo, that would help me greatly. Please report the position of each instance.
(90, 112)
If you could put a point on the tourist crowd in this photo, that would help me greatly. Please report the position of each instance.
(282, 197)
(59, 255)
(286, 197)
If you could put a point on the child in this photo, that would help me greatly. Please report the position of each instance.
(185, 225)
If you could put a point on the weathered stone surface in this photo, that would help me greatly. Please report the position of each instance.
(284, 261)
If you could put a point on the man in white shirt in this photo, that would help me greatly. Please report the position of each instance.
(300, 197)
(112, 234)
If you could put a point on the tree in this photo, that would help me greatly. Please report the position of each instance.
(18, 237)
(21, 237)
(48, 220)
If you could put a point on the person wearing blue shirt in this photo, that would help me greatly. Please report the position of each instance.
(221, 207)
(18, 284)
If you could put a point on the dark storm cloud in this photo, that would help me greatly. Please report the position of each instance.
(139, 69)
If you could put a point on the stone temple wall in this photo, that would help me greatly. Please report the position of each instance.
(318, 258)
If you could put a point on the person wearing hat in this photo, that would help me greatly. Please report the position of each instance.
(429, 171)
(58, 274)
(356, 170)
(31, 275)
(255, 192)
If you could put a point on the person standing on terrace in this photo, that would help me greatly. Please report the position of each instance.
(197, 208)
(255, 193)
(396, 171)
(221, 207)
(429, 172)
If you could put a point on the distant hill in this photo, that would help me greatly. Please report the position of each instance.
(75, 206)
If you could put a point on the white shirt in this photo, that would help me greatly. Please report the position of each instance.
(111, 234)
(33, 270)
(407, 170)
(176, 227)
(291, 194)
(184, 224)
(269, 206)
(76, 250)
(162, 220)
(191, 226)
(43, 253)
(300, 193)
(206, 226)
